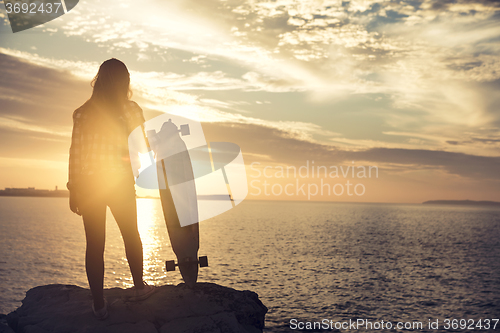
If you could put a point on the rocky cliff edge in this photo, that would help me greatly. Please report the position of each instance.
(206, 308)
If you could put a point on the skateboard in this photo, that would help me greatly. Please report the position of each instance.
(178, 199)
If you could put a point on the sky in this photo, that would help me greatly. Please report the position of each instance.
(408, 88)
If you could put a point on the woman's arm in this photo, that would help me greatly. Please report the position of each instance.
(135, 120)
(75, 161)
(135, 116)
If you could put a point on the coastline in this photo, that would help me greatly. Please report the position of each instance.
(32, 192)
(462, 203)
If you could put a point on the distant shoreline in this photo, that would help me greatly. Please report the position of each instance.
(32, 192)
(462, 203)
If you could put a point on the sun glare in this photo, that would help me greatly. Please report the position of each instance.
(148, 216)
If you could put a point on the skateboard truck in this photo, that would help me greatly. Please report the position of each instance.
(202, 261)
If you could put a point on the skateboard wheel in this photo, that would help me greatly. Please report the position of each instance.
(203, 261)
(170, 265)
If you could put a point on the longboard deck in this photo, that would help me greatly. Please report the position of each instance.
(185, 240)
(174, 166)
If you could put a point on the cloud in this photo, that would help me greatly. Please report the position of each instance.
(327, 48)
(79, 69)
(470, 166)
(41, 98)
(436, 64)
(32, 136)
(33, 145)
(168, 92)
(38, 100)
(264, 144)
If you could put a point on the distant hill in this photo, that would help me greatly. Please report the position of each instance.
(462, 203)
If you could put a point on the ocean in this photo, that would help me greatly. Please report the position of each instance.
(310, 262)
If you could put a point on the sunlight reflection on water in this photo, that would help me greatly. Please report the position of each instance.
(150, 223)
(306, 260)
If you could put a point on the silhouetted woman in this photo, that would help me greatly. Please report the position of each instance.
(100, 176)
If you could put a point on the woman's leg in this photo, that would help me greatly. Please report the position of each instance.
(94, 220)
(124, 209)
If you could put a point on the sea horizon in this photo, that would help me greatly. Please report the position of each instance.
(306, 260)
(452, 201)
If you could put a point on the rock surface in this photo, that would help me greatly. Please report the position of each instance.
(207, 308)
(4, 328)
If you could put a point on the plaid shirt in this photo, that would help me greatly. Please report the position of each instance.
(101, 152)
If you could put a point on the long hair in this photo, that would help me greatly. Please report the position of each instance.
(111, 84)
(111, 91)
